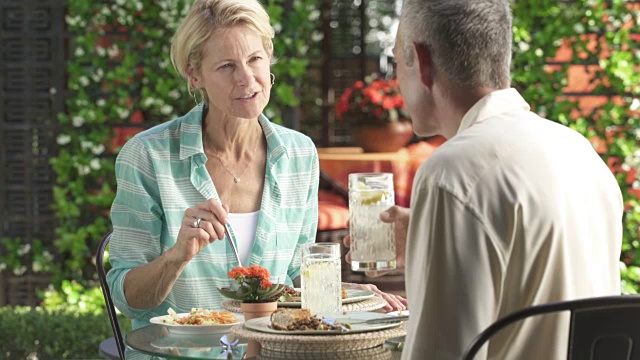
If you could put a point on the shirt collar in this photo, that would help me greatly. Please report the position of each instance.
(191, 136)
(492, 104)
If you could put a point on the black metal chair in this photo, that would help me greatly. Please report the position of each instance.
(600, 328)
(107, 346)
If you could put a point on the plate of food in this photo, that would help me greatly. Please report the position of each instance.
(302, 322)
(198, 321)
(292, 297)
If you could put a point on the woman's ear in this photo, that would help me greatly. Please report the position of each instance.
(193, 77)
(425, 64)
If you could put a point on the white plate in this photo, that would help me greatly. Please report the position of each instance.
(195, 329)
(399, 313)
(354, 295)
(264, 325)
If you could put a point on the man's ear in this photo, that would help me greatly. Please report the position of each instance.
(193, 77)
(425, 64)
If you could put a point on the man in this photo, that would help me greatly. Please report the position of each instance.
(512, 211)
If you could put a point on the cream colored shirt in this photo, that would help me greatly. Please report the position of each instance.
(513, 211)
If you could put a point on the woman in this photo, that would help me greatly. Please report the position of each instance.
(224, 162)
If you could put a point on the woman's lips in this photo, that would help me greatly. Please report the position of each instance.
(248, 97)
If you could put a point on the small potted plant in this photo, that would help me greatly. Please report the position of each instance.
(258, 296)
(376, 109)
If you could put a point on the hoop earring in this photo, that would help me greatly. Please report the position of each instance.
(194, 98)
(273, 78)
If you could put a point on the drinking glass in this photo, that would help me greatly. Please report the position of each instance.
(373, 246)
(320, 278)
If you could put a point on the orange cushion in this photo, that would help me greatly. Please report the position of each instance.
(332, 216)
(325, 195)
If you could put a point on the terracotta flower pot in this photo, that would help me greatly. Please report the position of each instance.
(252, 311)
(257, 310)
(388, 137)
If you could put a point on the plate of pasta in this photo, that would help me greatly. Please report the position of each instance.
(198, 321)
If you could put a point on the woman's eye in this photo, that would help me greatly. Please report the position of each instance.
(226, 66)
(255, 58)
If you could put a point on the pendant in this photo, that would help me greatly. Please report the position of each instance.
(236, 180)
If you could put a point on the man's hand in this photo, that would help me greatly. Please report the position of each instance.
(394, 302)
(399, 216)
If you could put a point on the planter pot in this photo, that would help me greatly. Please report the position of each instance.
(252, 311)
(389, 137)
(257, 310)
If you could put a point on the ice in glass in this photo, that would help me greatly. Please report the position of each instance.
(373, 246)
(320, 278)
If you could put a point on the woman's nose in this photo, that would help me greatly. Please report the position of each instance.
(244, 76)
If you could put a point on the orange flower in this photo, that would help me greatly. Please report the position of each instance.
(238, 272)
(258, 271)
(266, 284)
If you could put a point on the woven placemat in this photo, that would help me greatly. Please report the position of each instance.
(320, 343)
(376, 353)
(370, 304)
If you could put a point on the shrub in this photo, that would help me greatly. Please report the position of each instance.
(53, 334)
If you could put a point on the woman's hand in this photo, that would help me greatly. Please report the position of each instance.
(394, 302)
(191, 239)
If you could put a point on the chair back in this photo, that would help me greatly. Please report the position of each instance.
(600, 328)
(111, 309)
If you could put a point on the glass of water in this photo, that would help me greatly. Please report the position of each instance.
(373, 246)
(320, 278)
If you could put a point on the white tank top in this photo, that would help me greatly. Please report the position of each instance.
(244, 227)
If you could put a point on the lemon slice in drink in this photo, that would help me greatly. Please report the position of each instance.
(374, 197)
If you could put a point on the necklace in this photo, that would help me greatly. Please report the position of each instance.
(236, 179)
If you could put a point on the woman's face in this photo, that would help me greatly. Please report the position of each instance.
(235, 73)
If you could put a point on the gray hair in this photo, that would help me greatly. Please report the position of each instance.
(469, 40)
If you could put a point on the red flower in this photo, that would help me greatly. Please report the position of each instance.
(374, 100)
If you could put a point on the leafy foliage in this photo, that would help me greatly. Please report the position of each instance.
(599, 35)
(72, 296)
(121, 76)
(47, 334)
(18, 257)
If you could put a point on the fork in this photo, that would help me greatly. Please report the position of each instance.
(233, 246)
(380, 320)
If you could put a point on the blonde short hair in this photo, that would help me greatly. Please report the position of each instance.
(207, 16)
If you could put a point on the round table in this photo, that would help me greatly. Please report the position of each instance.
(156, 341)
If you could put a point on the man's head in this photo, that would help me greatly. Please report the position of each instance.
(448, 47)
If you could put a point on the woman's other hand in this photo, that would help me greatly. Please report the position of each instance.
(394, 302)
(194, 235)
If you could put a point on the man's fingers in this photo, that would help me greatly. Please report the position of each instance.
(395, 302)
(389, 215)
(347, 257)
(347, 241)
(374, 273)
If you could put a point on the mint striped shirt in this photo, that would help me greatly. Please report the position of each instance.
(161, 172)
